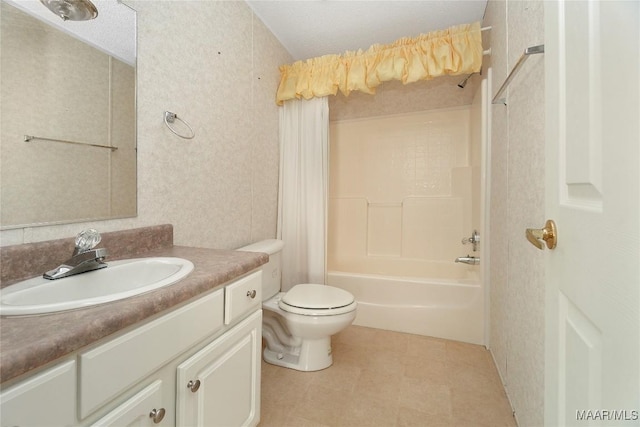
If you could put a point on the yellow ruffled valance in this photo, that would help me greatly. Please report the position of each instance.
(455, 51)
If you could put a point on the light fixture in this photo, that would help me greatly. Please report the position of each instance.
(72, 10)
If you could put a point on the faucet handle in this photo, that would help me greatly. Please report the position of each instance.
(87, 239)
(474, 240)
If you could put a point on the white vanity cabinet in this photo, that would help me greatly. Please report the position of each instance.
(138, 378)
(144, 409)
(219, 386)
(45, 399)
(123, 362)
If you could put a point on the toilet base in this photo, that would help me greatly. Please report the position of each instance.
(312, 355)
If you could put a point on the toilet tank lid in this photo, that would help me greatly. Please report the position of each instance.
(269, 246)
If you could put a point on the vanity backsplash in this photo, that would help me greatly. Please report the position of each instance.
(21, 262)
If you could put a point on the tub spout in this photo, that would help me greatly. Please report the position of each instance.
(471, 260)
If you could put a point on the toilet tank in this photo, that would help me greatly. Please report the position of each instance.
(271, 271)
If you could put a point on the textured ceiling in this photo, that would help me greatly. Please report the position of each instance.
(113, 31)
(314, 28)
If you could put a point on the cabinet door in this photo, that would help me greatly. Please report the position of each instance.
(220, 385)
(46, 399)
(109, 369)
(142, 410)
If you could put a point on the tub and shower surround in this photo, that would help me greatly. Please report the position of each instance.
(400, 187)
(401, 197)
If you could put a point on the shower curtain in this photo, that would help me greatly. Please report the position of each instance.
(302, 203)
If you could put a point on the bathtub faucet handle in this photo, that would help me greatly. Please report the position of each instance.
(474, 240)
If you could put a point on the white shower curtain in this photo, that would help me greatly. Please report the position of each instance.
(302, 202)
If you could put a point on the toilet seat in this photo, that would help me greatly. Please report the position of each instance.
(317, 300)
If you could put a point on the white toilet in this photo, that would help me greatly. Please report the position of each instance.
(297, 325)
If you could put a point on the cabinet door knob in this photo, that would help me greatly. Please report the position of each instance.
(252, 294)
(157, 415)
(193, 385)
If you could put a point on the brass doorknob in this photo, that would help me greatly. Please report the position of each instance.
(548, 234)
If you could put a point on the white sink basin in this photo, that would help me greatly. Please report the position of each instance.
(121, 279)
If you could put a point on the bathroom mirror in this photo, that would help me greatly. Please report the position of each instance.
(68, 128)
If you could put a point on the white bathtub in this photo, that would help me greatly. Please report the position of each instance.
(450, 308)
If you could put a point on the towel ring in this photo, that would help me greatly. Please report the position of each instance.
(170, 117)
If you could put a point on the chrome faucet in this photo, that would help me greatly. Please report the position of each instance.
(84, 257)
(471, 260)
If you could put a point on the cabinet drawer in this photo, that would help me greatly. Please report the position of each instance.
(242, 297)
(137, 409)
(110, 369)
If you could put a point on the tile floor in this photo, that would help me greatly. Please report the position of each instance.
(387, 379)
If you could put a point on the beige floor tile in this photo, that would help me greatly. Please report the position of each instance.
(351, 354)
(268, 371)
(293, 421)
(362, 411)
(427, 348)
(395, 342)
(433, 371)
(356, 335)
(490, 410)
(379, 385)
(283, 386)
(320, 405)
(423, 396)
(474, 380)
(389, 379)
(384, 361)
(408, 417)
(284, 419)
(273, 415)
(469, 354)
(339, 377)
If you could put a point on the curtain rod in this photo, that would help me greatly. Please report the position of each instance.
(488, 51)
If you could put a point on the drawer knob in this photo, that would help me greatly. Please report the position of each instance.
(157, 415)
(252, 294)
(193, 385)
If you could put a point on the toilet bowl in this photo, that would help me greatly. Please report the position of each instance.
(300, 337)
(297, 325)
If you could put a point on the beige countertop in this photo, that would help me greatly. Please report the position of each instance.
(30, 342)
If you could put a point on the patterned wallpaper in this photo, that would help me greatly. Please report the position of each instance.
(395, 98)
(517, 202)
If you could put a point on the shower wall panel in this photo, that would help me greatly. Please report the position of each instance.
(400, 187)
